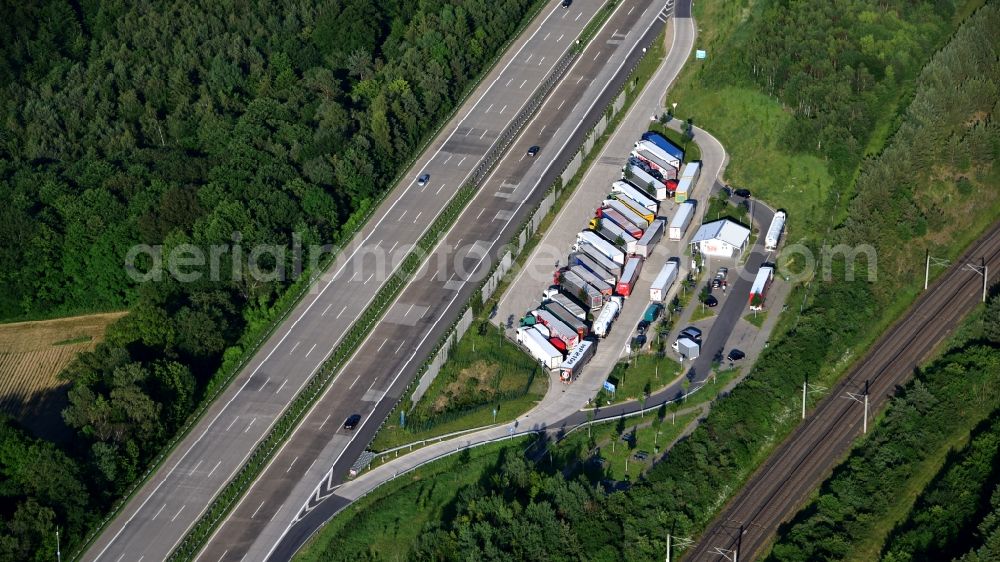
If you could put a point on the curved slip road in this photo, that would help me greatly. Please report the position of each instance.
(160, 513)
(783, 484)
(318, 455)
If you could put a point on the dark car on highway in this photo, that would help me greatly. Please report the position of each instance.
(352, 421)
(423, 179)
(534, 150)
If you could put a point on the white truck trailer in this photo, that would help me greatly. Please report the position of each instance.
(574, 285)
(602, 245)
(602, 325)
(681, 221)
(761, 283)
(575, 360)
(774, 231)
(638, 177)
(539, 347)
(660, 288)
(599, 258)
(567, 303)
(650, 238)
(638, 195)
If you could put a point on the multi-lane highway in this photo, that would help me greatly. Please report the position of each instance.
(157, 517)
(780, 487)
(384, 364)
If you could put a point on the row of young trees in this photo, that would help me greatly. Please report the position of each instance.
(525, 512)
(203, 123)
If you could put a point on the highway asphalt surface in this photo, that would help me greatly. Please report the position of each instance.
(320, 453)
(783, 484)
(578, 102)
(155, 520)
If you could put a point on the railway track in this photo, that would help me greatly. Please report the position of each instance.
(780, 487)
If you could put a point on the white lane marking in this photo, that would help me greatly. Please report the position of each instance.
(511, 60)
(408, 310)
(399, 347)
(213, 469)
(578, 16)
(481, 212)
(540, 61)
(231, 424)
(265, 384)
(469, 131)
(292, 464)
(439, 189)
(403, 215)
(307, 355)
(580, 78)
(546, 38)
(354, 383)
(565, 13)
(383, 343)
(293, 347)
(286, 380)
(489, 108)
(370, 276)
(423, 312)
(373, 383)
(277, 512)
(178, 513)
(508, 83)
(258, 509)
(223, 555)
(560, 105)
(484, 134)
(560, 38)
(341, 311)
(502, 109)
(542, 130)
(195, 467)
(522, 84)
(597, 55)
(630, 11)
(249, 425)
(324, 421)
(397, 241)
(462, 160)
(120, 557)
(326, 309)
(527, 60)
(158, 511)
(418, 215)
(448, 158)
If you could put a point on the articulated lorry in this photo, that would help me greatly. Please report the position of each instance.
(630, 274)
(761, 283)
(607, 316)
(660, 288)
(554, 295)
(600, 284)
(655, 156)
(774, 231)
(570, 368)
(650, 238)
(640, 196)
(665, 144)
(602, 245)
(567, 317)
(586, 261)
(572, 284)
(600, 259)
(620, 220)
(682, 219)
(539, 347)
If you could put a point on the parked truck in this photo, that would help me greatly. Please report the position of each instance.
(600, 259)
(557, 328)
(576, 359)
(574, 285)
(538, 346)
(655, 156)
(688, 181)
(567, 317)
(594, 267)
(626, 211)
(620, 220)
(607, 316)
(612, 232)
(567, 303)
(665, 144)
(630, 274)
(682, 219)
(635, 206)
(602, 245)
(761, 283)
(660, 288)
(600, 284)
(639, 195)
(650, 238)
(774, 231)
(633, 161)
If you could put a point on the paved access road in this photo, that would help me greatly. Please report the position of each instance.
(780, 487)
(321, 452)
(162, 511)
(516, 186)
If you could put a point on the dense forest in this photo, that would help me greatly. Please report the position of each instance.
(522, 510)
(188, 122)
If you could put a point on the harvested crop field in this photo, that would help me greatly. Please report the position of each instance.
(31, 356)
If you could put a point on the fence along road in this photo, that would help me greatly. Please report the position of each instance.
(166, 506)
(512, 191)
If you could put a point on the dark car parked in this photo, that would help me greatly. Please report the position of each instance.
(742, 192)
(735, 355)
